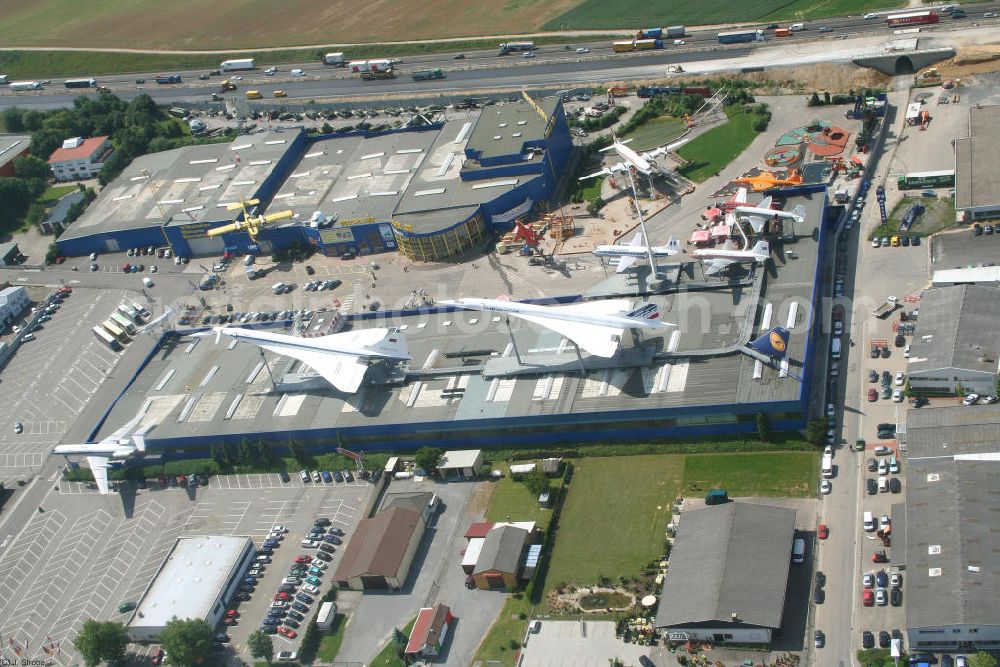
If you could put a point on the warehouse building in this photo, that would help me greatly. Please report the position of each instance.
(983, 276)
(430, 192)
(977, 187)
(380, 553)
(954, 345)
(12, 146)
(952, 592)
(196, 581)
(728, 574)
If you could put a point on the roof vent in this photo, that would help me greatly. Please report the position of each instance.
(934, 572)
(933, 549)
(734, 617)
(933, 477)
(74, 142)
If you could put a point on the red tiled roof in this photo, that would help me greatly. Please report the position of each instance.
(478, 529)
(86, 149)
(428, 628)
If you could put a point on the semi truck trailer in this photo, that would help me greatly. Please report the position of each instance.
(237, 65)
(740, 36)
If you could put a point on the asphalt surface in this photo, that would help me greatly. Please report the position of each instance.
(554, 65)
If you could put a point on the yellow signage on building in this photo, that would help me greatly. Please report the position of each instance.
(195, 231)
(336, 235)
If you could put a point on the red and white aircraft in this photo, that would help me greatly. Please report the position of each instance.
(644, 163)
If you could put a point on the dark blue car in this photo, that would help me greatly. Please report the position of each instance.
(302, 597)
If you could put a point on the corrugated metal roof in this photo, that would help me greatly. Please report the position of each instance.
(957, 329)
(502, 550)
(977, 185)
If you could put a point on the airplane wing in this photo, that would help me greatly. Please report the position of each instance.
(765, 202)
(598, 340)
(99, 466)
(126, 429)
(624, 262)
(713, 266)
(602, 172)
(343, 371)
(756, 222)
(741, 196)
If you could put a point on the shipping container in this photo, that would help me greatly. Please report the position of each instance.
(237, 65)
(925, 17)
(782, 32)
(739, 36)
(106, 338)
(648, 44)
(25, 85)
(510, 47)
(335, 59)
(116, 331)
(623, 47)
(80, 83)
(378, 74)
(676, 31)
(649, 33)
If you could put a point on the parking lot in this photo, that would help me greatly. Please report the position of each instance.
(50, 380)
(80, 558)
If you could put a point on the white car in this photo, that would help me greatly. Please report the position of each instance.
(971, 399)
(279, 604)
(883, 521)
(906, 352)
(868, 580)
(278, 528)
(871, 15)
(897, 396)
(528, 54)
(276, 536)
(310, 589)
(876, 242)
(270, 71)
(148, 282)
(828, 450)
(583, 49)
(286, 656)
(899, 379)
(18, 427)
(298, 72)
(679, 42)
(825, 487)
(309, 544)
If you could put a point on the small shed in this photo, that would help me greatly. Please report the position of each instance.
(460, 464)
(552, 467)
(471, 555)
(545, 499)
(429, 631)
(521, 469)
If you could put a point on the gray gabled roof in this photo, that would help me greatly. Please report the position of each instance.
(502, 550)
(957, 329)
(729, 559)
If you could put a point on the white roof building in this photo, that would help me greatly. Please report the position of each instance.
(197, 579)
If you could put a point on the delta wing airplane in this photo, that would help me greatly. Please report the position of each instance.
(628, 254)
(118, 447)
(595, 326)
(716, 259)
(341, 358)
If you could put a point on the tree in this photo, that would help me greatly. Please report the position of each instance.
(310, 643)
(261, 646)
(101, 642)
(427, 458)
(51, 253)
(13, 119)
(29, 166)
(763, 427)
(537, 482)
(760, 124)
(982, 659)
(813, 101)
(298, 452)
(187, 641)
(816, 431)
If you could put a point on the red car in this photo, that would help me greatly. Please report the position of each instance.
(60, 259)
(232, 613)
(303, 559)
(872, 395)
(288, 632)
(158, 657)
(126, 267)
(868, 598)
(823, 532)
(282, 596)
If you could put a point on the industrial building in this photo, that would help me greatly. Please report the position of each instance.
(381, 550)
(728, 574)
(977, 187)
(430, 192)
(951, 541)
(196, 581)
(12, 146)
(983, 276)
(79, 158)
(955, 346)
(13, 302)
(501, 555)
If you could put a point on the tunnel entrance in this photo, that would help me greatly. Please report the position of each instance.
(904, 66)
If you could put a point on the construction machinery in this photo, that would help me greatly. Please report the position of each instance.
(252, 224)
(226, 85)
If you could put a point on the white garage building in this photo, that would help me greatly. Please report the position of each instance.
(197, 579)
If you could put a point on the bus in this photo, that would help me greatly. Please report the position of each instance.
(116, 331)
(107, 338)
(80, 83)
(927, 179)
(124, 322)
(925, 17)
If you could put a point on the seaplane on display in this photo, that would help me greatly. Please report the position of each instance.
(594, 326)
(771, 349)
(628, 254)
(762, 213)
(644, 163)
(118, 447)
(341, 358)
(252, 224)
(716, 259)
(766, 180)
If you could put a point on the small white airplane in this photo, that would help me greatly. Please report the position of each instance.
(341, 358)
(758, 215)
(149, 326)
(628, 254)
(595, 326)
(716, 259)
(121, 445)
(644, 163)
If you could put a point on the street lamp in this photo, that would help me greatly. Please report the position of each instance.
(654, 270)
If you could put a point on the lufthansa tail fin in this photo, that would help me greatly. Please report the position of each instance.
(774, 343)
(646, 311)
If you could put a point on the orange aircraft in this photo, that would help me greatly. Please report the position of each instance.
(767, 180)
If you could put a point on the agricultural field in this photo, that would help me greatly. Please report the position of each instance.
(206, 24)
(597, 14)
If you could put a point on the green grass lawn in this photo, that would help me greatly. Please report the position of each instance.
(54, 193)
(329, 645)
(387, 656)
(598, 14)
(655, 133)
(504, 636)
(777, 474)
(940, 214)
(512, 502)
(709, 153)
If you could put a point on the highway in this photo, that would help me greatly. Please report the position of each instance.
(553, 66)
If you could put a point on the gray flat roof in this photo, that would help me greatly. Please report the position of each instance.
(12, 145)
(236, 399)
(184, 185)
(957, 329)
(503, 128)
(952, 536)
(192, 578)
(976, 183)
(459, 458)
(729, 559)
(960, 251)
